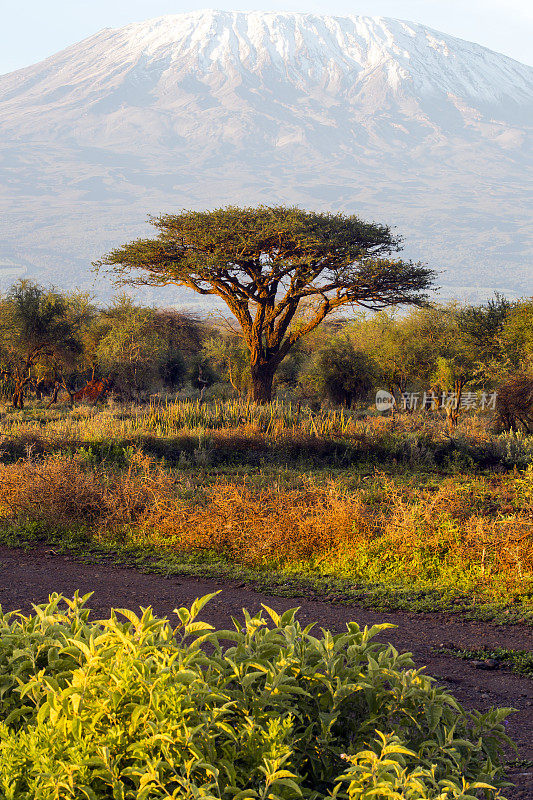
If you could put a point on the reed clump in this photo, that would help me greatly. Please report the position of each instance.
(237, 432)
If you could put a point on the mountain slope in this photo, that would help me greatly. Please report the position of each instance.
(379, 117)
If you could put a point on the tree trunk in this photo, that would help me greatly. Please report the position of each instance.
(262, 379)
(70, 393)
(437, 394)
(453, 413)
(18, 399)
(40, 389)
(55, 393)
(18, 394)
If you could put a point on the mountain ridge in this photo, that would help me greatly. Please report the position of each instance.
(208, 108)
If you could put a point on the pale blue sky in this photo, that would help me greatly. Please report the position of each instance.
(37, 28)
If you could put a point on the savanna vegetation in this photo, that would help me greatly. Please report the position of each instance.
(142, 435)
(427, 505)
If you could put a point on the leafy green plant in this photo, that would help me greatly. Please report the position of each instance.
(130, 707)
(393, 772)
(114, 453)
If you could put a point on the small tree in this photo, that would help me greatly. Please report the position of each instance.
(131, 351)
(264, 263)
(345, 374)
(484, 325)
(35, 330)
(182, 337)
(514, 404)
(74, 368)
(227, 355)
(516, 339)
(469, 350)
(144, 349)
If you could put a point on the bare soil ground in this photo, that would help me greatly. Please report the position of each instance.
(29, 577)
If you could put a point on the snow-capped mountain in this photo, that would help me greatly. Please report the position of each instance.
(387, 119)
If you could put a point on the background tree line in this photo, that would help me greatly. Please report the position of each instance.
(53, 343)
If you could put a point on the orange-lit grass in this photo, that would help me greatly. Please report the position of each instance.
(456, 531)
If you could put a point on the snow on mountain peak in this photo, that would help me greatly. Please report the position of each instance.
(325, 47)
(302, 48)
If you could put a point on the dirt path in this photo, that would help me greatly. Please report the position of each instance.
(29, 577)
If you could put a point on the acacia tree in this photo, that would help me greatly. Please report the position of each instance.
(266, 263)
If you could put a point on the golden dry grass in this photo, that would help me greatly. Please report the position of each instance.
(482, 528)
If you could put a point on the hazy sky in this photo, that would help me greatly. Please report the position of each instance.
(38, 28)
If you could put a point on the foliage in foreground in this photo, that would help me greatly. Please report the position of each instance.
(130, 708)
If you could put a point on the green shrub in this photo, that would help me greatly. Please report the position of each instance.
(106, 453)
(136, 709)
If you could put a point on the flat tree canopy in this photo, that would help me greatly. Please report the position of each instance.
(267, 264)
